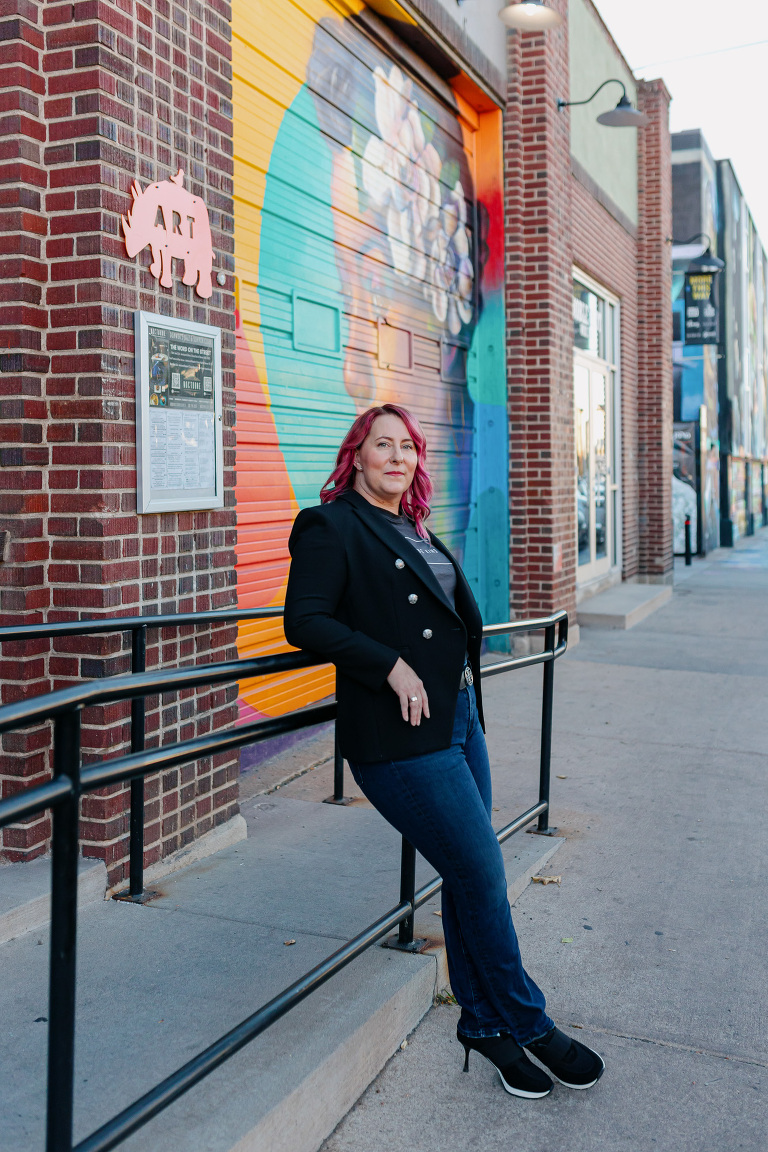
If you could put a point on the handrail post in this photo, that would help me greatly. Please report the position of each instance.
(404, 941)
(338, 774)
(547, 702)
(338, 769)
(138, 716)
(407, 890)
(62, 974)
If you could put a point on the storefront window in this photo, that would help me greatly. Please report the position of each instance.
(595, 336)
(583, 438)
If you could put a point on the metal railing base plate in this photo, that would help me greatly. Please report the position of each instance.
(414, 945)
(139, 898)
(542, 831)
(342, 800)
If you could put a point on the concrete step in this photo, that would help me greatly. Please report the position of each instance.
(25, 893)
(159, 982)
(623, 606)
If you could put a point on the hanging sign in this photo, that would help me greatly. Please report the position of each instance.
(179, 441)
(175, 225)
(701, 321)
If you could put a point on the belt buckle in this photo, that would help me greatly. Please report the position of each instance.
(468, 677)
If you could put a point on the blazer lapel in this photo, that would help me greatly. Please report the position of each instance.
(390, 536)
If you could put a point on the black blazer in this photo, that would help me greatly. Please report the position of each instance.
(351, 577)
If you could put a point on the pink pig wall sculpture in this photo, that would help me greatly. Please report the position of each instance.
(184, 234)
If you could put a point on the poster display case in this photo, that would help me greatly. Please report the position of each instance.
(179, 441)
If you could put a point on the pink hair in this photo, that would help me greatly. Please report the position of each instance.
(415, 502)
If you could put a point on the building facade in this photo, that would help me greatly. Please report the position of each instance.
(400, 211)
(590, 393)
(721, 387)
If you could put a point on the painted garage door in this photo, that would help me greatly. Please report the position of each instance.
(365, 261)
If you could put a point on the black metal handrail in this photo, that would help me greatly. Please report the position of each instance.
(138, 626)
(71, 781)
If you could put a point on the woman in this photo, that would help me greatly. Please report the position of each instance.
(384, 600)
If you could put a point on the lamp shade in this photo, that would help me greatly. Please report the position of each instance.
(530, 16)
(705, 264)
(624, 115)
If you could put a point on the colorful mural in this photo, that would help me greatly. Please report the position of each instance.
(369, 247)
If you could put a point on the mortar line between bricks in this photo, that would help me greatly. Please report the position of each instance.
(669, 1044)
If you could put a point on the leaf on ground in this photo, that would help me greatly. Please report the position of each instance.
(288, 943)
(546, 879)
(437, 913)
(562, 777)
(567, 940)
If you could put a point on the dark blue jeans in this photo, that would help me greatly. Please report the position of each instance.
(442, 803)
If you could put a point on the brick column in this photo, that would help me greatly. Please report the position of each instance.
(654, 323)
(100, 93)
(24, 362)
(537, 176)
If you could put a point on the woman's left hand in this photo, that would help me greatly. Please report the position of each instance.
(413, 695)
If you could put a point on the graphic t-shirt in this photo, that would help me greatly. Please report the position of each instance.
(441, 566)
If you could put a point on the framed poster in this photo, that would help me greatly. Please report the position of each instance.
(179, 442)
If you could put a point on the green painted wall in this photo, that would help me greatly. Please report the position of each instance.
(608, 154)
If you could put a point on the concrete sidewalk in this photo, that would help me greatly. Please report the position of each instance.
(654, 944)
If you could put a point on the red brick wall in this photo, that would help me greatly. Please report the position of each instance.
(94, 94)
(655, 334)
(539, 326)
(604, 249)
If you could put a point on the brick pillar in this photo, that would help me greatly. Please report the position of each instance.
(654, 321)
(24, 361)
(537, 176)
(96, 95)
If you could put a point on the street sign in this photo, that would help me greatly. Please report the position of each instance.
(701, 326)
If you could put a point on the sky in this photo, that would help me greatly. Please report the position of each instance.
(716, 84)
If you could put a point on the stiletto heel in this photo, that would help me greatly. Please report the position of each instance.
(518, 1075)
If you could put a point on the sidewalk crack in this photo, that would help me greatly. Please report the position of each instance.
(669, 1044)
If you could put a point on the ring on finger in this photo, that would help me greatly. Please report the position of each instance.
(414, 699)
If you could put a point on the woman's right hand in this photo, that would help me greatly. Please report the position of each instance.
(407, 685)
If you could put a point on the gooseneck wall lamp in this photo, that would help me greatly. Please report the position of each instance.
(530, 16)
(624, 115)
(705, 264)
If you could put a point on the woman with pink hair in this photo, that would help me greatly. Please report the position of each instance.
(373, 591)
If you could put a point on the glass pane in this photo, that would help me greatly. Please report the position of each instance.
(588, 321)
(610, 319)
(599, 429)
(583, 511)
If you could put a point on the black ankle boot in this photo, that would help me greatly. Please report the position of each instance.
(569, 1060)
(518, 1075)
